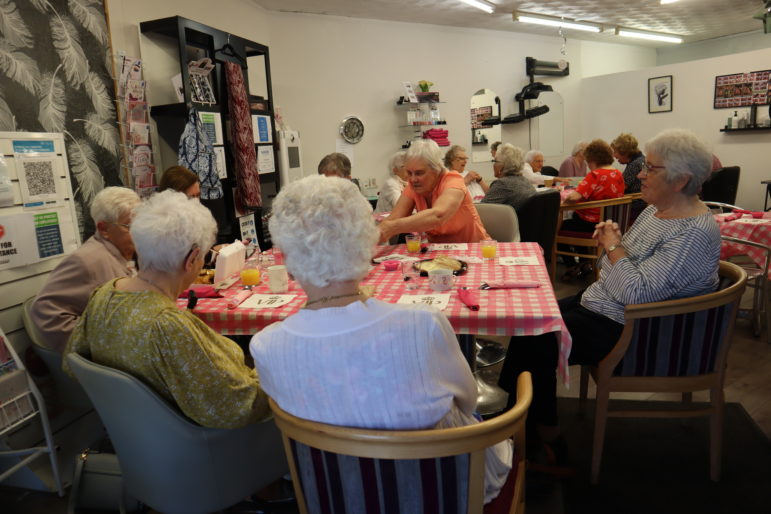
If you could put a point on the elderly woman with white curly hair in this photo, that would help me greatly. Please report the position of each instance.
(445, 210)
(108, 254)
(531, 170)
(134, 324)
(349, 360)
(510, 188)
(672, 251)
(394, 185)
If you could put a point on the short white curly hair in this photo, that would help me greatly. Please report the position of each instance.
(113, 202)
(167, 226)
(510, 158)
(684, 155)
(325, 229)
(428, 151)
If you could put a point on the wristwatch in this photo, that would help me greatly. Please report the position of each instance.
(612, 247)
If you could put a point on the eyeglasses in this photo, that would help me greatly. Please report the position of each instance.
(124, 225)
(650, 167)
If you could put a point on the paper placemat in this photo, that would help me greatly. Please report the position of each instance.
(437, 301)
(266, 301)
(528, 260)
(447, 246)
(395, 257)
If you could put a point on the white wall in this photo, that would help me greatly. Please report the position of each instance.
(619, 103)
(714, 47)
(604, 58)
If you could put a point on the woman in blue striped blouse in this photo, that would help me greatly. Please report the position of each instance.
(671, 251)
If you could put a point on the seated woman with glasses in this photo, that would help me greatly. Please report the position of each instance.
(108, 254)
(456, 159)
(602, 183)
(350, 360)
(134, 324)
(672, 251)
(511, 187)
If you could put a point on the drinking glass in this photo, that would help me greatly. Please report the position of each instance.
(489, 248)
(413, 243)
(250, 274)
(411, 276)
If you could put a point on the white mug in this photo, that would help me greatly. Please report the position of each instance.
(441, 279)
(278, 279)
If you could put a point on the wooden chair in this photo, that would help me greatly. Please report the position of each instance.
(757, 278)
(339, 469)
(671, 346)
(617, 209)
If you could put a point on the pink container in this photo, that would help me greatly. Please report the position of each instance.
(391, 265)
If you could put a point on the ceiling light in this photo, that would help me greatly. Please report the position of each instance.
(649, 35)
(556, 22)
(664, 2)
(480, 4)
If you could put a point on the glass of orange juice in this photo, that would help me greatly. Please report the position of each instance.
(489, 248)
(250, 274)
(413, 243)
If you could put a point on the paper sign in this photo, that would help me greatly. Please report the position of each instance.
(395, 257)
(6, 189)
(219, 162)
(248, 229)
(411, 96)
(262, 129)
(37, 146)
(265, 161)
(39, 180)
(530, 260)
(468, 258)
(345, 148)
(17, 241)
(212, 125)
(267, 301)
(49, 235)
(437, 301)
(448, 246)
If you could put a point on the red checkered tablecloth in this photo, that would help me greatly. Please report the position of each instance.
(503, 312)
(746, 227)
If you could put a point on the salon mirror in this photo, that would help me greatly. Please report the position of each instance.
(550, 125)
(484, 104)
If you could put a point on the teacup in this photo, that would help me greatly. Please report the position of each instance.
(441, 279)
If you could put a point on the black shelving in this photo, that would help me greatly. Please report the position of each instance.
(746, 129)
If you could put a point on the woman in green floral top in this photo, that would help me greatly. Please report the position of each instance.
(134, 324)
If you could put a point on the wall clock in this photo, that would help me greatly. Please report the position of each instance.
(352, 129)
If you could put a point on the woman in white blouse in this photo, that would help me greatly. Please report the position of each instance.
(394, 184)
(349, 360)
(455, 159)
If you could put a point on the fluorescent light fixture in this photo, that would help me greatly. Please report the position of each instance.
(649, 35)
(480, 4)
(556, 22)
(664, 2)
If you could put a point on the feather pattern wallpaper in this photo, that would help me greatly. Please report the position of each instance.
(54, 77)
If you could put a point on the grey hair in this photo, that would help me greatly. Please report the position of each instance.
(579, 147)
(426, 150)
(683, 155)
(337, 163)
(167, 226)
(113, 202)
(451, 154)
(325, 229)
(510, 158)
(397, 160)
(530, 156)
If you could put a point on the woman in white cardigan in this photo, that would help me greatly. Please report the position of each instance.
(349, 360)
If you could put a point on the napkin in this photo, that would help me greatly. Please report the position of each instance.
(734, 216)
(512, 284)
(201, 291)
(469, 297)
(235, 300)
(230, 260)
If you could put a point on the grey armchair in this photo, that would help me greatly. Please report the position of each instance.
(170, 463)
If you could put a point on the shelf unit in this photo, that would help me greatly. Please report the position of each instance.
(193, 41)
(746, 129)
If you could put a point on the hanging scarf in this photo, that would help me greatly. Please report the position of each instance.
(197, 155)
(242, 138)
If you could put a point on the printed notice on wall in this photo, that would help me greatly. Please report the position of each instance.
(262, 129)
(17, 243)
(39, 180)
(212, 125)
(49, 235)
(248, 229)
(265, 161)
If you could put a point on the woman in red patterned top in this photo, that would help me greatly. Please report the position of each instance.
(602, 183)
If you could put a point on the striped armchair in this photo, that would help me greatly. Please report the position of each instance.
(671, 346)
(347, 470)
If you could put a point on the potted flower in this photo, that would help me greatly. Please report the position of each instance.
(424, 95)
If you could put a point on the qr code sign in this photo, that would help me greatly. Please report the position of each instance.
(40, 177)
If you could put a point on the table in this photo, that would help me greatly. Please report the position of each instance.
(749, 228)
(503, 312)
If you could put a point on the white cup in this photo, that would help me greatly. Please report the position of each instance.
(278, 279)
(441, 279)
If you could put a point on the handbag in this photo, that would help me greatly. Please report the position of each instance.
(97, 484)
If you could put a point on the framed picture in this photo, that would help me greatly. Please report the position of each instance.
(743, 89)
(660, 94)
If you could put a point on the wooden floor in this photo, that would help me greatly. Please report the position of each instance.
(749, 369)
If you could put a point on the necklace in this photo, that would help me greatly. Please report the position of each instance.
(152, 283)
(325, 299)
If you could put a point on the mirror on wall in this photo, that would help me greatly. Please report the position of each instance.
(484, 104)
(551, 126)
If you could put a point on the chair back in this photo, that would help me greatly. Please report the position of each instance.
(538, 220)
(550, 171)
(68, 391)
(500, 221)
(339, 469)
(170, 463)
(680, 338)
(722, 185)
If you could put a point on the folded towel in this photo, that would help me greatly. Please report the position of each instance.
(238, 298)
(469, 297)
(512, 284)
(201, 291)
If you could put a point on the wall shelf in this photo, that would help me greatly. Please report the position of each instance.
(746, 129)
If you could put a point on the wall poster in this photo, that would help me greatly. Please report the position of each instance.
(743, 89)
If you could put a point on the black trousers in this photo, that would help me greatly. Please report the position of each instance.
(594, 335)
(575, 224)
